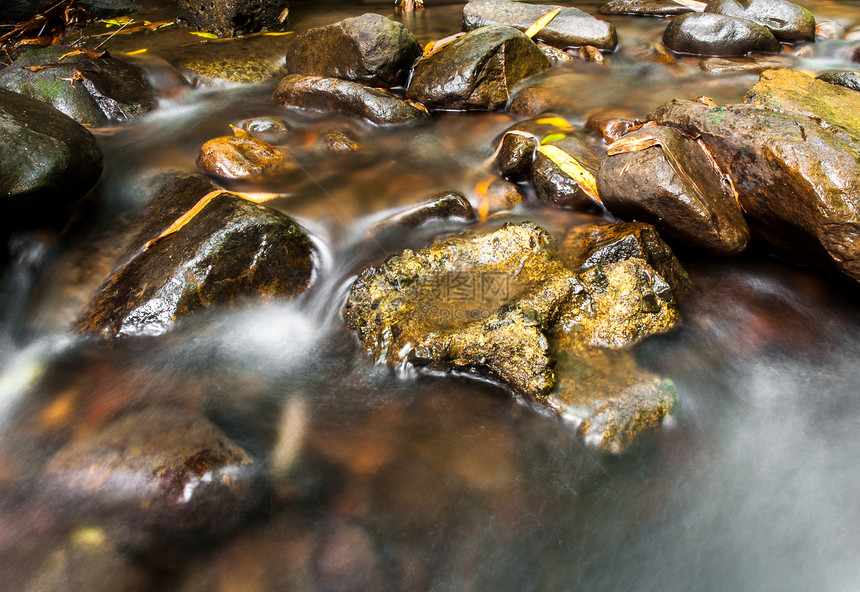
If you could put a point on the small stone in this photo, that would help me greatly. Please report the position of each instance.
(241, 156)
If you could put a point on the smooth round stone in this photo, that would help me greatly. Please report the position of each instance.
(717, 35)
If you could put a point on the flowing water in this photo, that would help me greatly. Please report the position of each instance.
(415, 481)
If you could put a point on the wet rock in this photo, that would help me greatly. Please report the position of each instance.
(478, 71)
(791, 150)
(645, 7)
(846, 78)
(447, 205)
(237, 17)
(612, 126)
(556, 55)
(241, 156)
(153, 478)
(789, 22)
(491, 304)
(533, 101)
(230, 250)
(564, 173)
(717, 35)
(22, 10)
(57, 162)
(584, 247)
(343, 96)
(749, 65)
(517, 146)
(497, 194)
(570, 27)
(273, 130)
(370, 49)
(338, 140)
(658, 175)
(90, 90)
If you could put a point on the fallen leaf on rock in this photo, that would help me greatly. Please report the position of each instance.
(569, 165)
(542, 22)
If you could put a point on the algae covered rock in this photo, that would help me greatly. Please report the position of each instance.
(333, 95)
(229, 250)
(91, 89)
(370, 49)
(571, 27)
(504, 306)
(792, 150)
(659, 176)
(55, 161)
(478, 71)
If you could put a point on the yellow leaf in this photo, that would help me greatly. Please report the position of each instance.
(559, 122)
(205, 35)
(278, 33)
(136, 51)
(572, 168)
(539, 24)
(553, 138)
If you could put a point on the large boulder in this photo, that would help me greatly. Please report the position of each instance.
(234, 17)
(232, 249)
(370, 49)
(501, 305)
(478, 71)
(789, 22)
(658, 175)
(792, 150)
(704, 33)
(571, 27)
(55, 161)
(333, 95)
(91, 89)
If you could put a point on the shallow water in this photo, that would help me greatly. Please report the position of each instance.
(412, 481)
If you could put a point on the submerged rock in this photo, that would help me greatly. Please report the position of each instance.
(370, 49)
(155, 477)
(236, 17)
(477, 71)
(90, 90)
(230, 250)
(792, 150)
(48, 160)
(748, 65)
(494, 304)
(701, 33)
(658, 175)
(571, 27)
(645, 7)
(343, 96)
(789, 22)
(241, 156)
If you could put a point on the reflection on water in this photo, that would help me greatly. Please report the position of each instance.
(371, 480)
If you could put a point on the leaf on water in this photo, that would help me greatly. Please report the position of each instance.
(694, 4)
(136, 52)
(205, 35)
(573, 169)
(553, 138)
(542, 22)
(559, 122)
(278, 33)
(202, 203)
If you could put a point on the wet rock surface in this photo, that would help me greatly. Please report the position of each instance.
(91, 90)
(370, 49)
(57, 163)
(230, 250)
(333, 95)
(712, 34)
(237, 17)
(846, 78)
(659, 176)
(478, 71)
(490, 304)
(789, 22)
(645, 7)
(774, 147)
(570, 27)
(564, 172)
(154, 477)
(241, 156)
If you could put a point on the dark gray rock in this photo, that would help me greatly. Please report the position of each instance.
(789, 22)
(658, 175)
(717, 35)
(234, 17)
(231, 250)
(15, 11)
(55, 160)
(846, 78)
(571, 186)
(333, 95)
(570, 28)
(645, 7)
(370, 49)
(90, 90)
(478, 71)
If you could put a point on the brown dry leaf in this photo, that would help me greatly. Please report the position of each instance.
(571, 167)
(542, 22)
